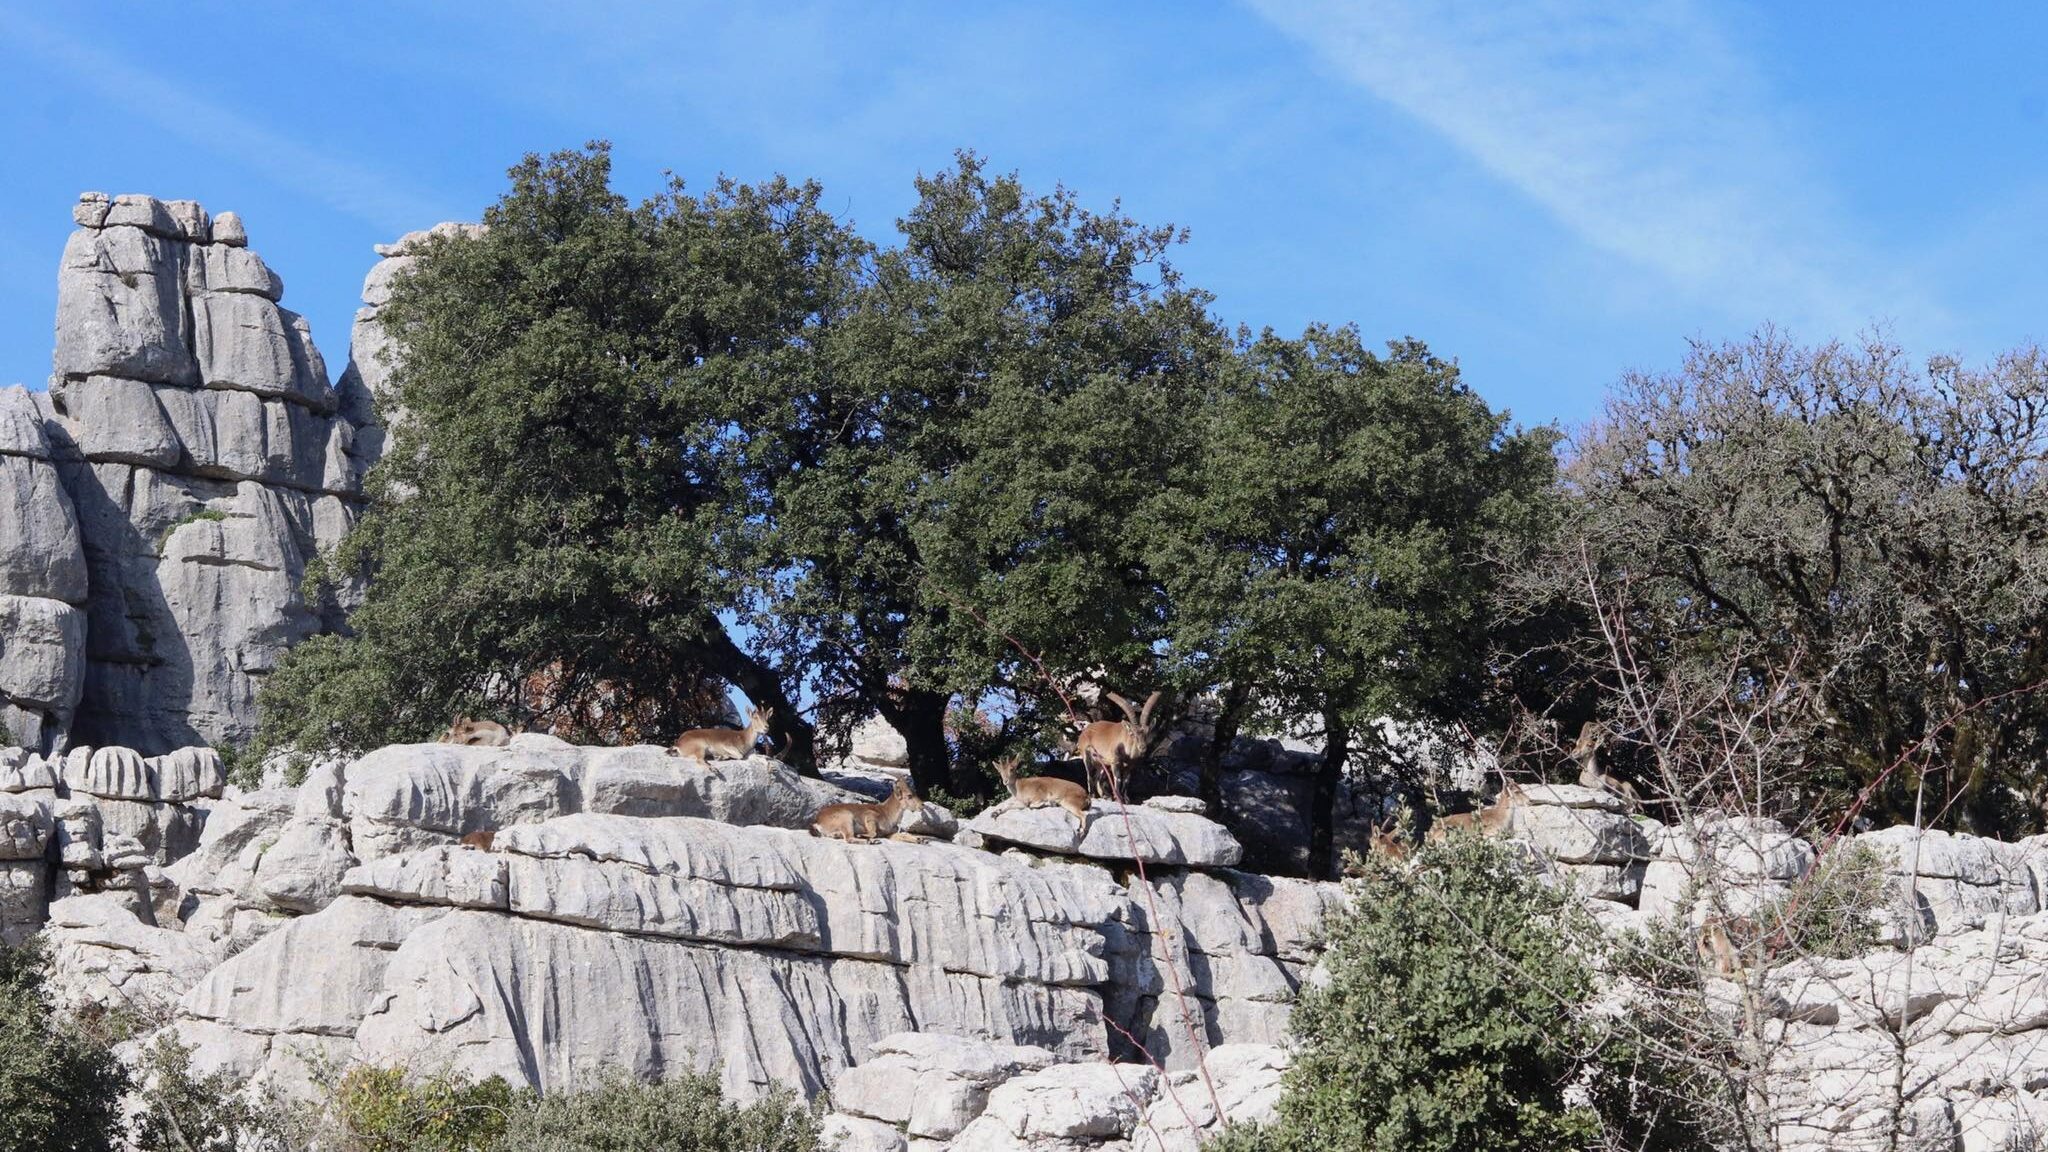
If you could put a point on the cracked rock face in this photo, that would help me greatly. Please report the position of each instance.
(42, 583)
(643, 911)
(204, 460)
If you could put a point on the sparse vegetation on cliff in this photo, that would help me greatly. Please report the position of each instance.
(60, 1084)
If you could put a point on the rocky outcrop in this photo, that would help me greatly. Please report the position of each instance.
(365, 388)
(921, 1090)
(743, 944)
(1949, 1037)
(42, 584)
(205, 460)
(1163, 830)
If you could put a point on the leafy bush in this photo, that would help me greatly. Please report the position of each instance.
(1831, 910)
(59, 1086)
(1455, 1017)
(686, 1114)
(183, 1113)
(378, 1109)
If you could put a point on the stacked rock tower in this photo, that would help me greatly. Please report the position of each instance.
(188, 460)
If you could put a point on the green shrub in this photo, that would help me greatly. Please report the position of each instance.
(60, 1087)
(1455, 1016)
(179, 1112)
(687, 1114)
(1831, 911)
(378, 1109)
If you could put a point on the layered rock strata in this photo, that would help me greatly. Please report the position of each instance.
(43, 587)
(207, 460)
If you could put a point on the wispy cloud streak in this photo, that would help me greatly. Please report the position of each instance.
(1640, 127)
(352, 188)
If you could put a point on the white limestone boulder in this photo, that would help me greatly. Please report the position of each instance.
(117, 420)
(41, 552)
(1582, 835)
(1064, 1103)
(1113, 831)
(1573, 796)
(188, 774)
(931, 1085)
(458, 877)
(1943, 883)
(1248, 1080)
(102, 953)
(24, 771)
(42, 653)
(23, 888)
(846, 1133)
(303, 870)
(25, 826)
(120, 307)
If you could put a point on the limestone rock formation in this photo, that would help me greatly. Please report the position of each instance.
(340, 920)
(42, 584)
(364, 390)
(1154, 833)
(204, 460)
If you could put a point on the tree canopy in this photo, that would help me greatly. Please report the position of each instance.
(1832, 529)
(641, 452)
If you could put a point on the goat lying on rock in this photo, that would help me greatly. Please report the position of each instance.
(477, 733)
(1493, 820)
(1043, 791)
(708, 744)
(867, 821)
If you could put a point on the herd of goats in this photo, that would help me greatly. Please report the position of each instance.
(1107, 749)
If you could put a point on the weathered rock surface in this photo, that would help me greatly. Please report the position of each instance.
(42, 581)
(340, 921)
(1113, 831)
(191, 460)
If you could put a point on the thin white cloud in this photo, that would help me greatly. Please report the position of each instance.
(1640, 127)
(355, 189)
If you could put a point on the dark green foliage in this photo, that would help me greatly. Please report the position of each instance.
(562, 501)
(686, 1114)
(1331, 549)
(934, 476)
(1013, 386)
(1454, 1017)
(59, 1085)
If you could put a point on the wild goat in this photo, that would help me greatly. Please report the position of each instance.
(1496, 819)
(1108, 748)
(1586, 753)
(708, 744)
(479, 839)
(477, 733)
(1387, 841)
(867, 821)
(1726, 941)
(1044, 791)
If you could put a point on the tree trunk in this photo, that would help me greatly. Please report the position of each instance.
(793, 737)
(919, 716)
(1322, 804)
(1229, 715)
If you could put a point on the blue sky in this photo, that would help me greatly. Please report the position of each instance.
(1551, 192)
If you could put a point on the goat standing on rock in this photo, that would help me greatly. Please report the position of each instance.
(1108, 748)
